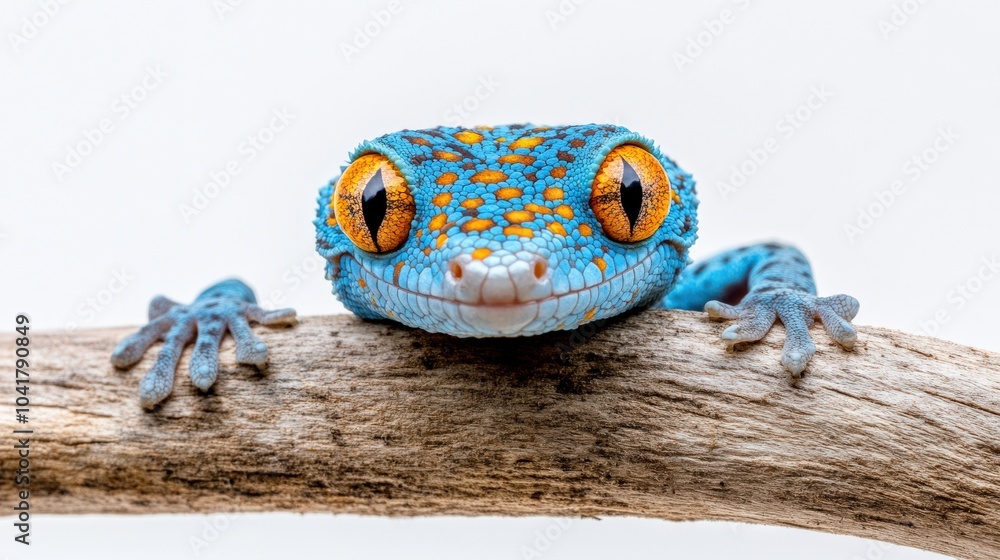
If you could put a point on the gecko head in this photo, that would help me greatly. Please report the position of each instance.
(505, 231)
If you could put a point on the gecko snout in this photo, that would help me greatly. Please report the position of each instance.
(500, 278)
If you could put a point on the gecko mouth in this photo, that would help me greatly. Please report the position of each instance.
(445, 313)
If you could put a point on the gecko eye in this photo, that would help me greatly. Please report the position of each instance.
(373, 204)
(631, 194)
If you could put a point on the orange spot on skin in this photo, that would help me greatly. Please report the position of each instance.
(526, 142)
(532, 207)
(427, 251)
(556, 228)
(419, 232)
(590, 314)
(519, 231)
(447, 178)
(585, 230)
(477, 224)
(441, 240)
(389, 311)
(395, 272)
(442, 199)
(553, 193)
(600, 263)
(447, 156)
(558, 172)
(420, 141)
(516, 158)
(508, 193)
(331, 220)
(518, 216)
(565, 211)
(472, 203)
(488, 176)
(560, 326)
(437, 222)
(468, 136)
(483, 127)
(374, 303)
(481, 253)
(362, 283)
(675, 197)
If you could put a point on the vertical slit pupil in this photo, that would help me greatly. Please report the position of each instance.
(631, 194)
(374, 204)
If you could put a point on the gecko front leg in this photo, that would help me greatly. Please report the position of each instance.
(758, 285)
(229, 305)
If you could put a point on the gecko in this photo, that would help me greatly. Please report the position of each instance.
(505, 231)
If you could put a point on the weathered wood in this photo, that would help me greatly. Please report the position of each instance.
(896, 441)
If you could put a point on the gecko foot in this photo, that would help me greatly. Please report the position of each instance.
(797, 310)
(229, 305)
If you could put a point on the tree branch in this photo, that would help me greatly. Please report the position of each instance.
(896, 441)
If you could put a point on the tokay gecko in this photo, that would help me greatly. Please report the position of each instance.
(509, 231)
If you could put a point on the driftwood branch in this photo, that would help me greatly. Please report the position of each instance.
(896, 441)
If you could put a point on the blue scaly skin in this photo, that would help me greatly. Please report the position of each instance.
(515, 231)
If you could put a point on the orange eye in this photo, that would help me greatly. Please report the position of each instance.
(631, 194)
(373, 204)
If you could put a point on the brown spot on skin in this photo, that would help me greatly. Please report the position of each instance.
(468, 136)
(585, 230)
(427, 251)
(565, 211)
(507, 193)
(395, 272)
(532, 207)
(553, 193)
(519, 231)
(558, 172)
(516, 158)
(577, 143)
(488, 176)
(437, 222)
(447, 178)
(472, 203)
(418, 159)
(556, 228)
(566, 156)
(362, 283)
(529, 142)
(589, 132)
(447, 156)
(481, 253)
(442, 199)
(518, 216)
(418, 141)
(477, 224)
(531, 176)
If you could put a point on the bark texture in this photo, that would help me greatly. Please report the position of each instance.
(896, 441)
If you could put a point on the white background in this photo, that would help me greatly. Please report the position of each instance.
(66, 235)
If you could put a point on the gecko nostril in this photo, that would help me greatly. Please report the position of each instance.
(540, 269)
(456, 270)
